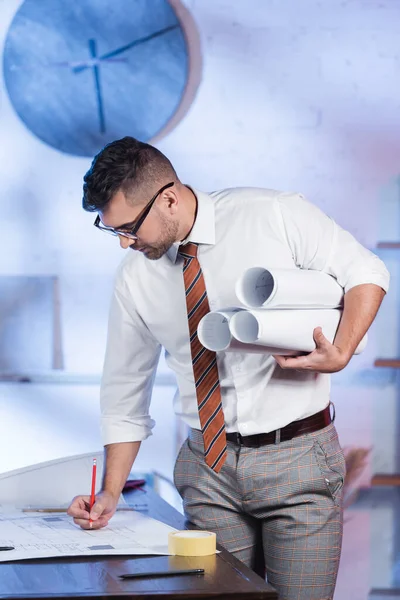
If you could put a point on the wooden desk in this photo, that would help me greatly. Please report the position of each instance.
(96, 577)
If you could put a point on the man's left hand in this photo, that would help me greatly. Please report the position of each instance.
(326, 358)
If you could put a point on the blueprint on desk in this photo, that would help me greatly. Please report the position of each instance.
(41, 535)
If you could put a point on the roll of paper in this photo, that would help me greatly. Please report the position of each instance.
(192, 543)
(284, 329)
(288, 288)
(214, 334)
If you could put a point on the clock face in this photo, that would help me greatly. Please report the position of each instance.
(81, 74)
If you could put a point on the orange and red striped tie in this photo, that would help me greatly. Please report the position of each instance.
(204, 362)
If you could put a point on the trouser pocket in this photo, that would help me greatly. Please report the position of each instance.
(332, 465)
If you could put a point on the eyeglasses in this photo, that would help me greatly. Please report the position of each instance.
(131, 234)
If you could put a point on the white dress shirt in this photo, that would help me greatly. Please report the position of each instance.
(236, 229)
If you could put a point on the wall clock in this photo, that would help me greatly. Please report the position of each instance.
(81, 74)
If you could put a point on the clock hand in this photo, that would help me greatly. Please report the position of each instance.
(73, 64)
(131, 45)
(96, 73)
(139, 41)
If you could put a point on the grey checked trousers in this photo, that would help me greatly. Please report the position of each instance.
(282, 501)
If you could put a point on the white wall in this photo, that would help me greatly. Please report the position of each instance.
(301, 96)
(293, 99)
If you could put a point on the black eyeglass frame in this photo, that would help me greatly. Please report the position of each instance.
(139, 221)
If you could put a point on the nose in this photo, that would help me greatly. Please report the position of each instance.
(125, 242)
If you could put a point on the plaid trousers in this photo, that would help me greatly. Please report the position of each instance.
(283, 500)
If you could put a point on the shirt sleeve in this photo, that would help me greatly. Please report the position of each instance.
(318, 243)
(130, 365)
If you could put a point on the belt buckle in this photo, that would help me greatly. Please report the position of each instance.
(239, 438)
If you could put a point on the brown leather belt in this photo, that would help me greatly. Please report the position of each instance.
(294, 429)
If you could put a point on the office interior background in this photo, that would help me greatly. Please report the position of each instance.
(284, 94)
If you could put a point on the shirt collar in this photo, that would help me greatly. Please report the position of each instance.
(203, 230)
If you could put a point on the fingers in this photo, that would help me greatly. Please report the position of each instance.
(79, 507)
(78, 513)
(85, 524)
(97, 510)
(300, 362)
(280, 360)
(319, 338)
(88, 519)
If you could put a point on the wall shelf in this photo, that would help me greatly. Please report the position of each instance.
(386, 479)
(389, 245)
(393, 363)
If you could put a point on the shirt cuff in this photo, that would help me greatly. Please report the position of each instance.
(380, 280)
(115, 431)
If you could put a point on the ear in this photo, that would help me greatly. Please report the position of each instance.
(171, 201)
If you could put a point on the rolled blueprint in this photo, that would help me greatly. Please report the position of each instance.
(214, 334)
(288, 288)
(286, 328)
(213, 330)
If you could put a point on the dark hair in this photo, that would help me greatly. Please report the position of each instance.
(126, 165)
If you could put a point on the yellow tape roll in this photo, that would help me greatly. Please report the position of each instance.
(192, 543)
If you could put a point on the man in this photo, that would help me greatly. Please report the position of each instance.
(262, 466)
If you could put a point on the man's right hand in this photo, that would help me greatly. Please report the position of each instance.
(118, 463)
(103, 509)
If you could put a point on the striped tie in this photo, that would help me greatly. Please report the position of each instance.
(204, 363)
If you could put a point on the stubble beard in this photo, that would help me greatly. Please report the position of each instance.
(167, 239)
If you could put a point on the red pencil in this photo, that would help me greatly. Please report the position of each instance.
(92, 495)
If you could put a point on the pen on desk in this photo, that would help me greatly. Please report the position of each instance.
(92, 495)
(162, 573)
(7, 548)
(43, 509)
(133, 507)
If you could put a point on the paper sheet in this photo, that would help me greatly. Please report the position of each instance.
(52, 483)
(36, 535)
(288, 289)
(215, 334)
(286, 328)
(283, 307)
